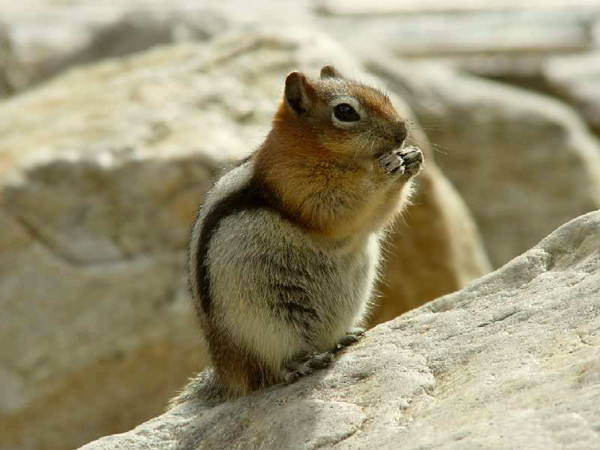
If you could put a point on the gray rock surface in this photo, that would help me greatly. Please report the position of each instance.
(457, 29)
(576, 79)
(524, 163)
(101, 171)
(511, 361)
(133, 31)
(571, 78)
(49, 39)
(10, 69)
(496, 39)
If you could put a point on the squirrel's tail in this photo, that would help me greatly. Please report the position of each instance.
(202, 388)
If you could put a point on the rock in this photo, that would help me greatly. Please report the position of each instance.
(576, 79)
(571, 78)
(524, 164)
(137, 30)
(101, 171)
(511, 361)
(10, 69)
(391, 7)
(497, 40)
(478, 33)
(88, 329)
(5, 55)
(49, 39)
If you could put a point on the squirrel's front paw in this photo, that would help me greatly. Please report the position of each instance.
(413, 159)
(406, 161)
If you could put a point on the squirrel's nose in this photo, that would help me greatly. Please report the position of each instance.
(400, 133)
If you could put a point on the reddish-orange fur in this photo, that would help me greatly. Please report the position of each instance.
(302, 159)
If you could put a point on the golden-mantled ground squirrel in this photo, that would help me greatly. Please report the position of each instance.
(285, 248)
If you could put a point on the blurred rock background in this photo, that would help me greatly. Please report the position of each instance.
(116, 118)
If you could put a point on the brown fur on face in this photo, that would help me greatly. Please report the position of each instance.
(375, 133)
(326, 176)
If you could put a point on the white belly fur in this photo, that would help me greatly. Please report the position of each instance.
(255, 250)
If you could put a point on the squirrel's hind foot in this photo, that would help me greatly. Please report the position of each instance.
(350, 338)
(307, 365)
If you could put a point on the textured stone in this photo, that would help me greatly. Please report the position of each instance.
(135, 30)
(501, 40)
(102, 169)
(391, 7)
(524, 163)
(576, 79)
(48, 39)
(10, 68)
(486, 36)
(571, 78)
(88, 330)
(511, 361)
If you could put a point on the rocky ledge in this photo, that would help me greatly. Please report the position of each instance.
(511, 361)
(97, 196)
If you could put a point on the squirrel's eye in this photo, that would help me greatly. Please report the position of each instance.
(345, 113)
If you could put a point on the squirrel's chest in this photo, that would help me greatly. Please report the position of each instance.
(356, 271)
(270, 267)
(342, 283)
(343, 295)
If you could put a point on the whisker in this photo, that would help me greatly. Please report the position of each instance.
(426, 122)
(438, 148)
(430, 128)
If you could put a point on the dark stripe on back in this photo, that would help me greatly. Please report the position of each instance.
(251, 196)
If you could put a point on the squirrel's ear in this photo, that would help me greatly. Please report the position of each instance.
(297, 92)
(330, 72)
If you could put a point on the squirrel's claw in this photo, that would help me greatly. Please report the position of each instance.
(412, 158)
(406, 161)
(391, 163)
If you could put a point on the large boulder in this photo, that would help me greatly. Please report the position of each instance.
(132, 30)
(10, 68)
(524, 163)
(576, 79)
(510, 38)
(101, 171)
(47, 39)
(511, 361)
(571, 78)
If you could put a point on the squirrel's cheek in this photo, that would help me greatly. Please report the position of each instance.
(332, 144)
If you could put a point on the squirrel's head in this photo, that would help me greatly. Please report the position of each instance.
(347, 117)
